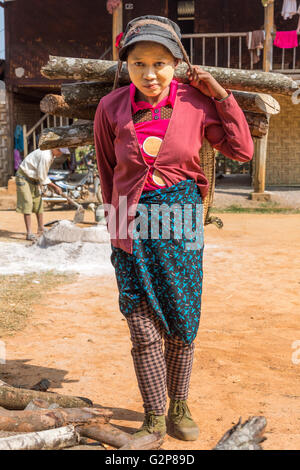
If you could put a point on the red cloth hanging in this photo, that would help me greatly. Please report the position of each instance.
(286, 39)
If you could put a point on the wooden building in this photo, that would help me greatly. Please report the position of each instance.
(34, 29)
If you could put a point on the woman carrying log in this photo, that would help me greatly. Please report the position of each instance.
(147, 137)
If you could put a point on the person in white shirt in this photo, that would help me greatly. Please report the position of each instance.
(31, 175)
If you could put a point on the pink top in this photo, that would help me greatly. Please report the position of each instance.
(123, 170)
(150, 134)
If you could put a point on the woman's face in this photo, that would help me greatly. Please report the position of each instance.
(151, 67)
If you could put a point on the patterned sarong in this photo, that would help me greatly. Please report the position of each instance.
(166, 263)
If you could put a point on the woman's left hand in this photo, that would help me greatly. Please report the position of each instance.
(206, 83)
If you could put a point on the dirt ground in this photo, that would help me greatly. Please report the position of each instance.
(243, 364)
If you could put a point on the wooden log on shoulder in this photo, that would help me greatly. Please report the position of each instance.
(67, 136)
(85, 92)
(56, 105)
(90, 93)
(41, 419)
(59, 438)
(257, 102)
(14, 398)
(82, 134)
(244, 436)
(258, 124)
(105, 433)
(234, 79)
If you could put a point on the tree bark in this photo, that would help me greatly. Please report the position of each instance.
(45, 440)
(104, 71)
(105, 433)
(67, 136)
(41, 419)
(40, 404)
(17, 399)
(244, 436)
(150, 442)
(56, 105)
(258, 124)
(85, 92)
(86, 447)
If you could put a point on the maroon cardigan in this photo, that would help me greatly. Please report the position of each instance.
(123, 170)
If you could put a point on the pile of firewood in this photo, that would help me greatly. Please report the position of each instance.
(34, 419)
(31, 419)
(79, 100)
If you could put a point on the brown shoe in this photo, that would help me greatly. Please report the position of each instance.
(180, 422)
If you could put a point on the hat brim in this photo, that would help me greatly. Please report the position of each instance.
(173, 48)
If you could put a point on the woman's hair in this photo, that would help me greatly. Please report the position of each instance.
(132, 46)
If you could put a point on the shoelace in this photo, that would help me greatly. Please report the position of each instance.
(151, 420)
(180, 409)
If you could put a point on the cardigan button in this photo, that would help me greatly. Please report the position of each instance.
(156, 110)
(156, 117)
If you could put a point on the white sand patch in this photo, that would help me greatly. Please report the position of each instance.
(87, 259)
(66, 248)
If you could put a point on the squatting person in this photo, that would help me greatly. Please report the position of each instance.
(148, 136)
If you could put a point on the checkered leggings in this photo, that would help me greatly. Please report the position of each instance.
(158, 371)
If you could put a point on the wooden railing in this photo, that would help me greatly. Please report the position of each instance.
(33, 134)
(235, 53)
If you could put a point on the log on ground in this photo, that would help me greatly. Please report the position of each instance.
(14, 398)
(104, 70)
(40, 404)
(67, 136)
(105, 433)
(44, 440)
(41, 386)
(41, 419)
(149, 442)
(86, 447)
(244, 436)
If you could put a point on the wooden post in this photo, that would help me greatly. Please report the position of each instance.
(25, 140)
(117, 27)
(269, 27)
(259, 180)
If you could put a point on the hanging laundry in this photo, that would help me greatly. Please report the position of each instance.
(289, 9)
(286, 39)
(17, 159)
(18, 138)
(255, 43)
